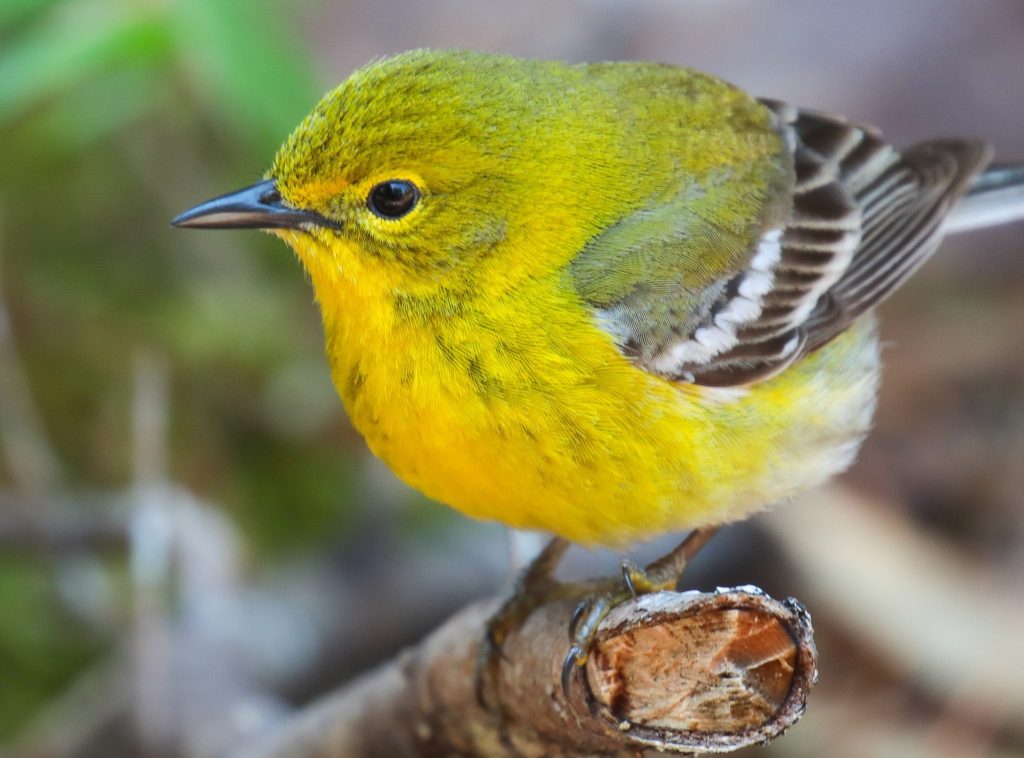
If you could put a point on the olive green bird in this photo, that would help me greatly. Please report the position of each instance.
(604, 301)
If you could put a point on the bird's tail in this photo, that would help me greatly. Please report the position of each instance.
(996, 197)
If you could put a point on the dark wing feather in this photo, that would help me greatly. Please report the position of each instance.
(864, 217)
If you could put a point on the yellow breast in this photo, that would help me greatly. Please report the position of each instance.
(518, 408)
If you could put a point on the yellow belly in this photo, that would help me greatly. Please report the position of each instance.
(594, 449)
(510, 404)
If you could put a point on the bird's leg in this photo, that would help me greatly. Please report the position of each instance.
(533, 587)
(662, 574)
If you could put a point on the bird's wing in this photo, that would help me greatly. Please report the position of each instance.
(864, 216)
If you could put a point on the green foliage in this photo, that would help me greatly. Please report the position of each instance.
(234, 51)
(39, 644)
(114, 116)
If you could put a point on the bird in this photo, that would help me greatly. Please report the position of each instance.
(604, 301)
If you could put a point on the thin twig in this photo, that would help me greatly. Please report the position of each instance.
(152, 538)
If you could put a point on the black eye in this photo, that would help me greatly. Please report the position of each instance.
(393, 198)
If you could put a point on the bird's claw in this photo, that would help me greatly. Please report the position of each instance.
(575, 659)
(583, 628)
(577, 615)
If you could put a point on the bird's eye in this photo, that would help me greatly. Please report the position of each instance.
(393, 198)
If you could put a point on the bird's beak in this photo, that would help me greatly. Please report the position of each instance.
(256, 207)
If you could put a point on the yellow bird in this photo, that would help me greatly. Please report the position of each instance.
(604, 301)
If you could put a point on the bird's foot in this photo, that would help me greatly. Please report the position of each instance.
(662, 574)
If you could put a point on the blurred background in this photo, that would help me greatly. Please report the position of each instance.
(193, 540)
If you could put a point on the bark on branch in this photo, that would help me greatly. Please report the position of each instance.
(682, 672)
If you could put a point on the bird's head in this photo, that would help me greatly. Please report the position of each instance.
(424, 165)
(469, 172)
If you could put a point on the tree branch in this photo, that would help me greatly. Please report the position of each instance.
(683, 672)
